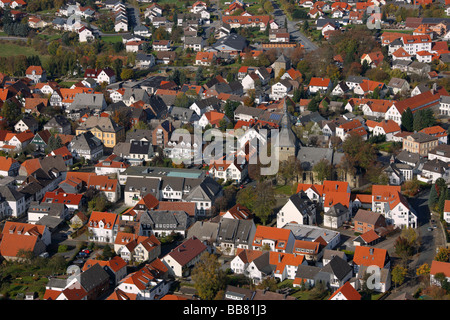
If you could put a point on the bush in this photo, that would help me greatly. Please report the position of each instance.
(63, 248)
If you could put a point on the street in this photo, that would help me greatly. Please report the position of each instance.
(293, 29)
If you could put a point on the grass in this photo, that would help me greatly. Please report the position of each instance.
(112, 39)
(12, 49)
(67, 84)
(283, 190)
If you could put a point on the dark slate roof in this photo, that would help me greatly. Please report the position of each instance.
(140, 147)
(262, 263)
(93, 277)
(337, 210)
(235, 230)
(233, 40)
(337, 266)
(302, 203)
(167, 219)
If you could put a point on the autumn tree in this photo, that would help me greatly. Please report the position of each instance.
(442, 255)
(403, 249)
(423, 272)
(399, 275)
(208, 276)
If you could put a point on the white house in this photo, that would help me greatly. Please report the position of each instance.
(299, 209)
(103, 226)
(321, 85)
(85, 35)
(186, 255)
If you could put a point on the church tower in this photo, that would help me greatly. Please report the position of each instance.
(287, 146)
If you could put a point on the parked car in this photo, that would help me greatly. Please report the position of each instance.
(87, 251)
(82, 254)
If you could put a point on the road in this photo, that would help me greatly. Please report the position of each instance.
(293, 29)
(428, 242)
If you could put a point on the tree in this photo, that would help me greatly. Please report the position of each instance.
(246, 197)
(268, 283)
(403, 248)
(55, 142)
(442, 255)
(265, 201)
(358, 153)
(323, 170)
(208, 276)
(127, 74)
(442, 198)
(399, 275)
(10, 112)
(433, 197)
(108, 253)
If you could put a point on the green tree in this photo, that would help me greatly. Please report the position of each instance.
(208, 276)
(246, 197)
(408, 120)
(433, 197)
(10, 112)
(127, 74)
(323, 170)
(55, 142)
(442, 198)
(265, 201)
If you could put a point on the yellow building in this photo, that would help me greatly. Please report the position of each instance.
(104, 128)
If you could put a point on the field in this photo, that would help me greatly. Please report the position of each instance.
(13, 49)
(112, 38)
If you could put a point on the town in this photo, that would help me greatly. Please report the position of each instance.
(224, 150)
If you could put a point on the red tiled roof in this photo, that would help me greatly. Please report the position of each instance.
(367, 256)
(440, 267)
(319, 82)
(348, 291)
(370, 236)
(109, 219)
(188, 250)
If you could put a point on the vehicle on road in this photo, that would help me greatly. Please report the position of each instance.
(430, 229)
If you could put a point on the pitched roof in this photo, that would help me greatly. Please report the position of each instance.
(368, 256)
(319, 82)
(109, 219)
(347, 291)
(188, 250)
(440, 267)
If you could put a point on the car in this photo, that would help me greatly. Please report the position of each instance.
(434, 226)
(430, 229)
(44, 255)
(87, 251)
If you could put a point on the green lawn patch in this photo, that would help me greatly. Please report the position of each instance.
(285, 190)
(13, 49)
(112, 38)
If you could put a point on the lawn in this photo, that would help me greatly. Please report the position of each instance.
(284, 190)
(112, 39)
(12, 49)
